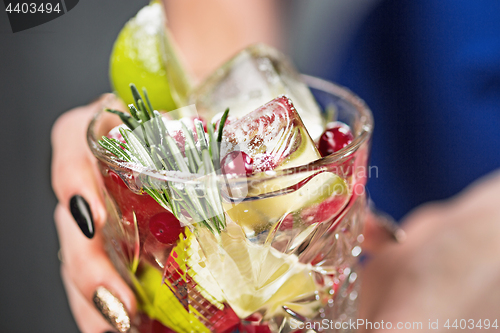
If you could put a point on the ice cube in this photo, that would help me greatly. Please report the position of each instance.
(253, 77)
(253, 275)
(274, 138)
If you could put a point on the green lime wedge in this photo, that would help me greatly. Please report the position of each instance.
(143, 54)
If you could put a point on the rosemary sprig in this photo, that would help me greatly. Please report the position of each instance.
(149, 144)
(222, 123)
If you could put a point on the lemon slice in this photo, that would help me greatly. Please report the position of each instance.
(143, 54)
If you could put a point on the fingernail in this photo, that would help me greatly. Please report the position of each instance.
(112, 309)
(80, 210)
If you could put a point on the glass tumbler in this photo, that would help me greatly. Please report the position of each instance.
(286, 257)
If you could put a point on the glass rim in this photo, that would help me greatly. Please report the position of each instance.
(366, 129)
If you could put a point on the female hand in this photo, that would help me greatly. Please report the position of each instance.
(448, 267)
(92, 283)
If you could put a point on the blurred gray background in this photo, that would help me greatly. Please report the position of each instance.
(62, 64)
(43, 72)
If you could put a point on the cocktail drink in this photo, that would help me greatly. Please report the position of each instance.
(286, 253)
(249, 222)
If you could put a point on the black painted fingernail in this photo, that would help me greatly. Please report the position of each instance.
(80, 210)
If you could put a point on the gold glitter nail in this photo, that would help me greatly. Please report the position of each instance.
(112, 309)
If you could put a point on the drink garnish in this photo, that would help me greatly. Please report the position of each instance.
(148, 143)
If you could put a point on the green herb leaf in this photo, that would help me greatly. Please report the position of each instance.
(148, 102)
(214, 147)
(221, 124)
(152, 147)
(127, 120)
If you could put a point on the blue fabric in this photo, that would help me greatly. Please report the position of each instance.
(430, 71)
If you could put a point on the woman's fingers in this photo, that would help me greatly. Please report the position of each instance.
(74, 168)
(87, 318)
(91, 278)
(450, 245)
(92, 282)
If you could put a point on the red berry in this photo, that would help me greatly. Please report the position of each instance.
(165, 227)
(336, 136)
(237, 162)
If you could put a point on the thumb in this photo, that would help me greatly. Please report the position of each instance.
(380, 229)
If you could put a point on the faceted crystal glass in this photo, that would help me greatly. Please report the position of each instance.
(288, 252)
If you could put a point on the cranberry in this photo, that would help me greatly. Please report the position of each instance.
(336, 136)
(165, 227)
(237, 162)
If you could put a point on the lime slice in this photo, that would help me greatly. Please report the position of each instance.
(259, 215)
(254, 277)
(143, 54)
